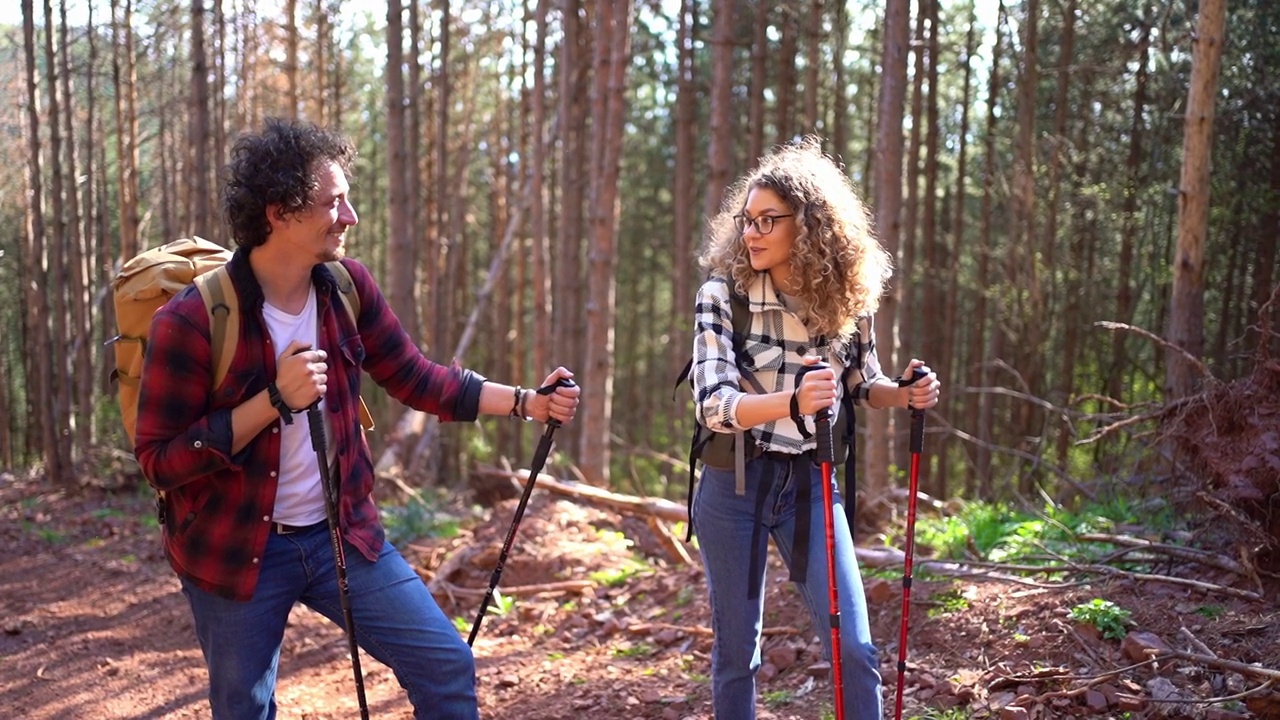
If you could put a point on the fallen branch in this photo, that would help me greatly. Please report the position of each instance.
(650, 628)
(1220, 663)
(1180, 552)
(551, 588)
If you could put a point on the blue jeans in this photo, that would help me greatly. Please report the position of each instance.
(723, 521)
(397, 622)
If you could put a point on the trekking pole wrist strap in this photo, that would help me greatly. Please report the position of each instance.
(277, 402)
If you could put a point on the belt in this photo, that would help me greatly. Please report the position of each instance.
(282, 529)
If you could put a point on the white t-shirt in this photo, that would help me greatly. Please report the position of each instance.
(299, 494)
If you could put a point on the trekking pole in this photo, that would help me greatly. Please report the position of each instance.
(917, 446)
(826, 457)
(539, 459)
(316, 422)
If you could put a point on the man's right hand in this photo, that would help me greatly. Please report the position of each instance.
(301, 375)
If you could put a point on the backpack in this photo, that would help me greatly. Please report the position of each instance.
(146, 283)
(720, 449)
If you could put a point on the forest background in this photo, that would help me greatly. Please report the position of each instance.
(534, 177)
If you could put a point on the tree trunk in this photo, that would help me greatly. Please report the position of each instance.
(683, 212)
(888, 214)
(931, 291)
(720, 152)
(55, 299)
(1135, 180)
(984, 343)
(612, 55)
(568, 250)
(543, 316)
(124, 75)
(401, 244)
(38, 350)
(759, 79)
(785, 106)
(294, 106)
(79, 384)
(1186, 309)
(198, 128)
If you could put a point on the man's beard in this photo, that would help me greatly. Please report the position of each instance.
(334, 255)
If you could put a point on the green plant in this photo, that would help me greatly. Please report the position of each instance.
(1110, 619)
(950, 601)
(947, 714)
(639, 650)
(777, 698)
(416, 519)
(462, 624)
(1213, 612)
(502, 604)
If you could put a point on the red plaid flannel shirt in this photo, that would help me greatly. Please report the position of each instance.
(217, 505)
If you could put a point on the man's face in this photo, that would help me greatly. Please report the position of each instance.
(319, 229)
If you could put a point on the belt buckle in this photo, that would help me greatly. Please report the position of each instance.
(282, 529)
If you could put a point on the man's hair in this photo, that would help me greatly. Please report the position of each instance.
(277, 166)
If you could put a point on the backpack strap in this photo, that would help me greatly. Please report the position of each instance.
(223, 305)
(740, 317)
(351, 301)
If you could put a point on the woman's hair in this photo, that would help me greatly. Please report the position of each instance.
(840, 267)
(277, 166)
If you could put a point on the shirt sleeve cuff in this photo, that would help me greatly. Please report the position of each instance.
(467, 407)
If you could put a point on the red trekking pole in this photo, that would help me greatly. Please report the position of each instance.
(825, 454)
(917, 447)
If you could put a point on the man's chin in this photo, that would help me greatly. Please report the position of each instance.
(334, 255)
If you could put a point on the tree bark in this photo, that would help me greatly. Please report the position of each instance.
(1186, 309)
(198, 128)
(888, 215)
(612, 55)
(401, 244)
(124, 74)
(720, 148)
(35, 282)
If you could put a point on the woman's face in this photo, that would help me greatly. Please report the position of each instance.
(769, 247)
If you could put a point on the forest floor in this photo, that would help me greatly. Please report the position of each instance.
(94, 626)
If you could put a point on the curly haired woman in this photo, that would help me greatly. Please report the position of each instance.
(794, 240)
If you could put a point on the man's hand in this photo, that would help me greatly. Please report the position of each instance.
(301, 375)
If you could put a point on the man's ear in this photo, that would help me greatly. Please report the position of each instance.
(276, 215)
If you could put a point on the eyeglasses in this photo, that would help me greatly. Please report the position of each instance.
(763, 223)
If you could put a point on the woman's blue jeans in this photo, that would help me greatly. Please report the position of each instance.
(397, 622)
(723, 522)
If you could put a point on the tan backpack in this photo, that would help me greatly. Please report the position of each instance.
(146, 283)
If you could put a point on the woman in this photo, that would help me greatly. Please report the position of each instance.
(794, 239)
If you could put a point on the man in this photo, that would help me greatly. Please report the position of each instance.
(244, 514)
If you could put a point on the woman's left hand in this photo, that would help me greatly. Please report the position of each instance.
(923, 393)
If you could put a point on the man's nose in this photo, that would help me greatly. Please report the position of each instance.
(348, 215)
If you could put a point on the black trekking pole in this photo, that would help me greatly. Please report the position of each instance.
(316, 422)
(826, 457)
(539, 459)
(917, 447)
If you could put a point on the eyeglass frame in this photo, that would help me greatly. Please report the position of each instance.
(741, 221)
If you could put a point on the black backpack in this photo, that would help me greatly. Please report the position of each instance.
(717, 449)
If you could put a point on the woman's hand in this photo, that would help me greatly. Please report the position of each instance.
(561, 404)
(817, 388)
(923, 393)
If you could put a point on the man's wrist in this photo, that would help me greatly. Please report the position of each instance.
(277, 402)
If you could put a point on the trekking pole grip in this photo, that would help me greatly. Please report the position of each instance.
(825, 451)
(917, 414)
(548, 389)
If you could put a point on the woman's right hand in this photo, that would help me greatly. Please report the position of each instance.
(817, 390)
